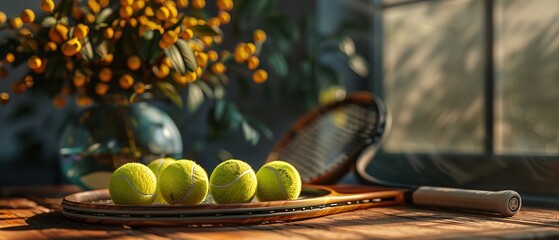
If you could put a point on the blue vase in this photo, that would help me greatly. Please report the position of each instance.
(110, 134)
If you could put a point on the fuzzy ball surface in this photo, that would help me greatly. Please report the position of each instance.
(157, 166)
(278, 180)
(233, 181)
(133, 184)
(184, 182)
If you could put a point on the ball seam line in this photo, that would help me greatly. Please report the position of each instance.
(278, 180)
(134, 187)
(234, 180)
(191, 184)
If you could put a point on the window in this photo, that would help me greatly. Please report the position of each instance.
(472, 86)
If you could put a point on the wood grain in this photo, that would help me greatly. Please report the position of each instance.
(38, 217)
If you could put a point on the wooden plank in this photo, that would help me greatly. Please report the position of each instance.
(40, 218)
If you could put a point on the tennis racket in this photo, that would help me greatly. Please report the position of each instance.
(325, 143)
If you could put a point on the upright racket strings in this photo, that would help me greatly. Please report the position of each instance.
(330, 139)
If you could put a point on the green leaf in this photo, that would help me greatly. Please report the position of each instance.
(187, 55)
(220, 108)
(176, 59)
(285, 26)
(103, 15)
(205, 30)
(260, 127)
(206, 89)
(145, 44)
(277, 61)
(251, 135)
(359, 65)
(195, 97)
(48, 22)
(171, 92)
(154, 49)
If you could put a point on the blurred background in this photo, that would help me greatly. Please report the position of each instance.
(460, 77)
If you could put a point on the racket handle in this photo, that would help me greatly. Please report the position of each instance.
(506, 203)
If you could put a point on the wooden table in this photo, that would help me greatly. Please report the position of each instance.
(33, 213)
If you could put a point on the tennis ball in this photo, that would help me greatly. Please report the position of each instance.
(183, 182)
(157, 166)
(233, 181)
(133, 184)
(278, 180)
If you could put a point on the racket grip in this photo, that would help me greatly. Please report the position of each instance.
(506, 203)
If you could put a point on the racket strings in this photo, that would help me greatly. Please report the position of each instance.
(330, 140)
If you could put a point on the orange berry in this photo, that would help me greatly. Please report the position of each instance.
(212, 55)
(105, 3)
(50, 47)
(207, 40)
(260, 76)
(134, 63)
(126, 12)
(126, 81)
(170, 37)
(214, 22)
(10, 58)
(16, 23)
(47, 5)
(224, 17)
(187, 34)
(4, 98)
(108, 33)
(101, 88)
(225, 5)
(163, 44)
(162, 13)
(107, 58)
(84, 101)
(93, 6)
(139, 88)
(34, 62)
(162, 71)
(202, 59)
(80, 31)
(59, 101)
(253, 62)
(71, 47)
(127, 2)
(79, 79)
(28, 81)
(182, 3)
(250, 48)
(90, 18)
(27, 16)
(3, 17)
(218, 68)
(58, 33)
(198, 4)
(166, 61)
(106, 74)
(259, 36)
(138, 5)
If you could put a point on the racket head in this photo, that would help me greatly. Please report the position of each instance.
(324, 143)
(94, 207)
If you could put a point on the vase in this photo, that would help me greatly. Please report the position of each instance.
(109, 134)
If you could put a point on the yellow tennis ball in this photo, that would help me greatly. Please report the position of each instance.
(133, 184)
(184, 182)
(278, 180)
(157, 166)
(233, 181)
